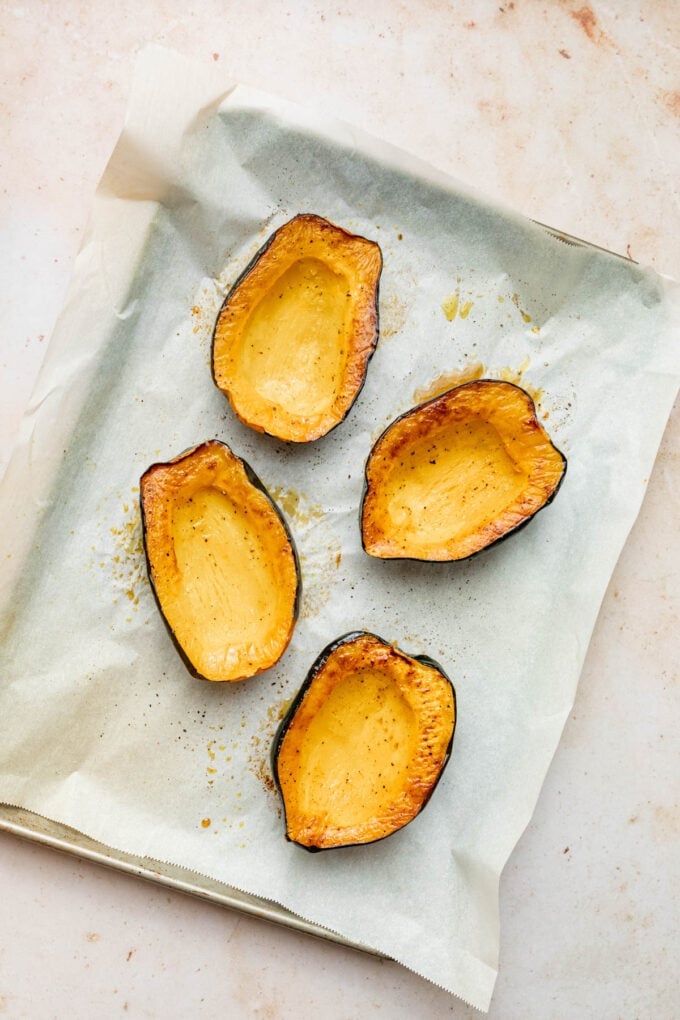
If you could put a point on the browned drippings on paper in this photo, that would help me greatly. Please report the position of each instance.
(447, 380)
(525, 315)
(392, 316)
(317, 587)
(128, 563)
(473, 371)
(455, 307)
(296, 506)
(516, 376)
(261, 744)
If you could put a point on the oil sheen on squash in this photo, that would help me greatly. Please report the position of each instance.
(221, 562)
(364, 743)
(457, 473)
(295, 333)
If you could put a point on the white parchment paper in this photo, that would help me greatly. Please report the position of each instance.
(101, 727)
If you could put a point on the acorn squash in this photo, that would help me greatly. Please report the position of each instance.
(221, 562)
(364, 743)
(294, 336)
(457, 473)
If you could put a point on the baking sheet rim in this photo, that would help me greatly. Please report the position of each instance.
(38, 829)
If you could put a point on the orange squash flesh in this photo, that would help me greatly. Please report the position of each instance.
(364, 744)
(221, 562)
(457, 473)
(295, 333)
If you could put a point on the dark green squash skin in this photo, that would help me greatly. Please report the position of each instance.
(258, 484)
(249, 268)
(299, 698)
(501, 538)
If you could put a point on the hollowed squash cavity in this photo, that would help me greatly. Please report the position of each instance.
(457, 473)
(295, 333)
(221, 562)
(363, 744)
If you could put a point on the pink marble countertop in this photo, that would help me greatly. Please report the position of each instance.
(568, 112)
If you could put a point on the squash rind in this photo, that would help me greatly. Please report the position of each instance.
(428, 694)
(157, 511)
(282, 405)
(543, 464)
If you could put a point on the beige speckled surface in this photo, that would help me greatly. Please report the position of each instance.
(569, 113)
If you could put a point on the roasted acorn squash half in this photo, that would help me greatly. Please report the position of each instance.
(364, 743)
(457, 473)
(221, 562)
(294, 336)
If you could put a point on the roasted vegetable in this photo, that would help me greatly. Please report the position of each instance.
(221, 562)
(364, 743)
(457, 473)
(295, 333)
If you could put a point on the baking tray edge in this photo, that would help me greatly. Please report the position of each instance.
(45, 832)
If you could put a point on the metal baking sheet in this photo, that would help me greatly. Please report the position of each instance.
(45, 832)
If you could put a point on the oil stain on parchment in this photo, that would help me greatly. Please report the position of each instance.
(525, 315)
(454, 306)
(127, 559)
(392, 316)
(295, 505)
(319, 578)
(259, 757)
(318, 570)
(220, 771)
(474, 370)
(447, 380)
(516, 376)
(203, 318)
(459, 304)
